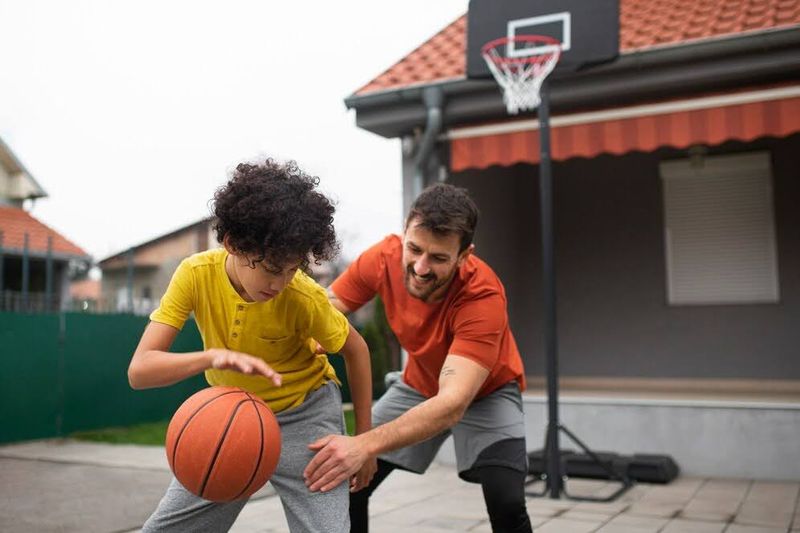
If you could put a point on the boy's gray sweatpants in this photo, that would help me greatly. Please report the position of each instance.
(313, 512)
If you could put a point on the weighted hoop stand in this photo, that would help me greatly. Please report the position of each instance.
(553, 478)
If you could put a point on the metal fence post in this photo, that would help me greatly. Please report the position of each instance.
(130, 280)
(48, 302)
(2, 278)
(26, 274)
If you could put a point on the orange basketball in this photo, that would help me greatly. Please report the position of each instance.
(223, 444)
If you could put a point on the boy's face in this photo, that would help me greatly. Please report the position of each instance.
(430, 261)
(258, 281)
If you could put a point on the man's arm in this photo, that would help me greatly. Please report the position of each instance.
(337, 303)
(338, 457)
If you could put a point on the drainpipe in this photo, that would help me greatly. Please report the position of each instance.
(433, 97)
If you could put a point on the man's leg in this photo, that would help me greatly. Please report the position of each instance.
(359, 501)
(416, 458)
(504, 493)
(490, 450)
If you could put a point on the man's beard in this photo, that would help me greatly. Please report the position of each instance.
(433, 284)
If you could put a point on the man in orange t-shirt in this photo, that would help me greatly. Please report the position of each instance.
(464, 374)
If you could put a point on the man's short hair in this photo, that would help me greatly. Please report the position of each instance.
(443, 209)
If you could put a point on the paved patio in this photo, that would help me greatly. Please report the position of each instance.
(69, 486)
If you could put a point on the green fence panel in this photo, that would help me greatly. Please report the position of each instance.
(337, 362)
(68, 372)
(97, 351)
(29, 376)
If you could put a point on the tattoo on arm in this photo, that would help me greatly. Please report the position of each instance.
(448, 371)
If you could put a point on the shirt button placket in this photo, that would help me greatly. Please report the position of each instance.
(237, 326)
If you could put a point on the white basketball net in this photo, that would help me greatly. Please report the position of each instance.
(521, 77)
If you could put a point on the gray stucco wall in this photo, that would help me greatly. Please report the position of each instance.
(612, 311)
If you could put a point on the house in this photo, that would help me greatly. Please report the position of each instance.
(35, 260)
(135, 280)
(142, 273)
(676, 171)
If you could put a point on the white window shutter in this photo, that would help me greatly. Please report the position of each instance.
(720, 230)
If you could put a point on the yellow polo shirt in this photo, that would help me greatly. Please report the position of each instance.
(281, 331)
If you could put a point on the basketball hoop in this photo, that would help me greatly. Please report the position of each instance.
(520, 64)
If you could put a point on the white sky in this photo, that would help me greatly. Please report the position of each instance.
(131, 113)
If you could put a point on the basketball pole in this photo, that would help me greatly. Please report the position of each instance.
(553, 455)
(554, 482)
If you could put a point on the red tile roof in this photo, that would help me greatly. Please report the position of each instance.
(15, 222)
(643, 24)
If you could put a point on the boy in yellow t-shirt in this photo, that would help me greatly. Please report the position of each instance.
(262, 320)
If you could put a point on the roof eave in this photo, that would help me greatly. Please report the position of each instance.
(394, 112)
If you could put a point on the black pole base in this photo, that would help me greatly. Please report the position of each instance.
(555, 488)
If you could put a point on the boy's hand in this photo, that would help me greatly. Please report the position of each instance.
(223, 359)
(362, 478)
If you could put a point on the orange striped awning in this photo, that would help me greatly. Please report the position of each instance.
(743, 116)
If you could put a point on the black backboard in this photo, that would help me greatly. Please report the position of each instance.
(587, 29)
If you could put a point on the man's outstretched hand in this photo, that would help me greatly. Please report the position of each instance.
(339, 458)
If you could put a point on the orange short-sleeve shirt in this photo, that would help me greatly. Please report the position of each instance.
(471, 321)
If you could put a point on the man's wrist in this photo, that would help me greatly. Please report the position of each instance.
(366, 442)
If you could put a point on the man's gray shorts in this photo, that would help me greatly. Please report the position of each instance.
(494, 423)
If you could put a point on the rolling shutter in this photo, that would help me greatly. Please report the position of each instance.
(720, 230)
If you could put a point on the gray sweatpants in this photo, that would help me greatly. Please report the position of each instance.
(314, 512)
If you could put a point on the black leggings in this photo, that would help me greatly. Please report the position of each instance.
(503, 491)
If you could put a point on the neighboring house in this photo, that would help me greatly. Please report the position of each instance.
(677, 184)
(35, 259)
(136, 279)
(85, 294)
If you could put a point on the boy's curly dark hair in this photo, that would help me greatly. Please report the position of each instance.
(272, 210)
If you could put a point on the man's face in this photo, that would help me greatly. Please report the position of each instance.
(430, 261)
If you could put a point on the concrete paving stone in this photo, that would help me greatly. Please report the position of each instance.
(39, 496)
(612, 528)
(680, 525)
(449, 523)
(717, 500)
(723, 489)
(666, 509)
(738, 528)
(769, 504)
(394, 520)
(90, 453)
(607, 508)
(483, 527)
(640, 522)
(563, 525)
(679, 491)
(547, 504)
(634, 494)
(584, 516)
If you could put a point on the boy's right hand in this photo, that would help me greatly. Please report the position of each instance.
(223, 359)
